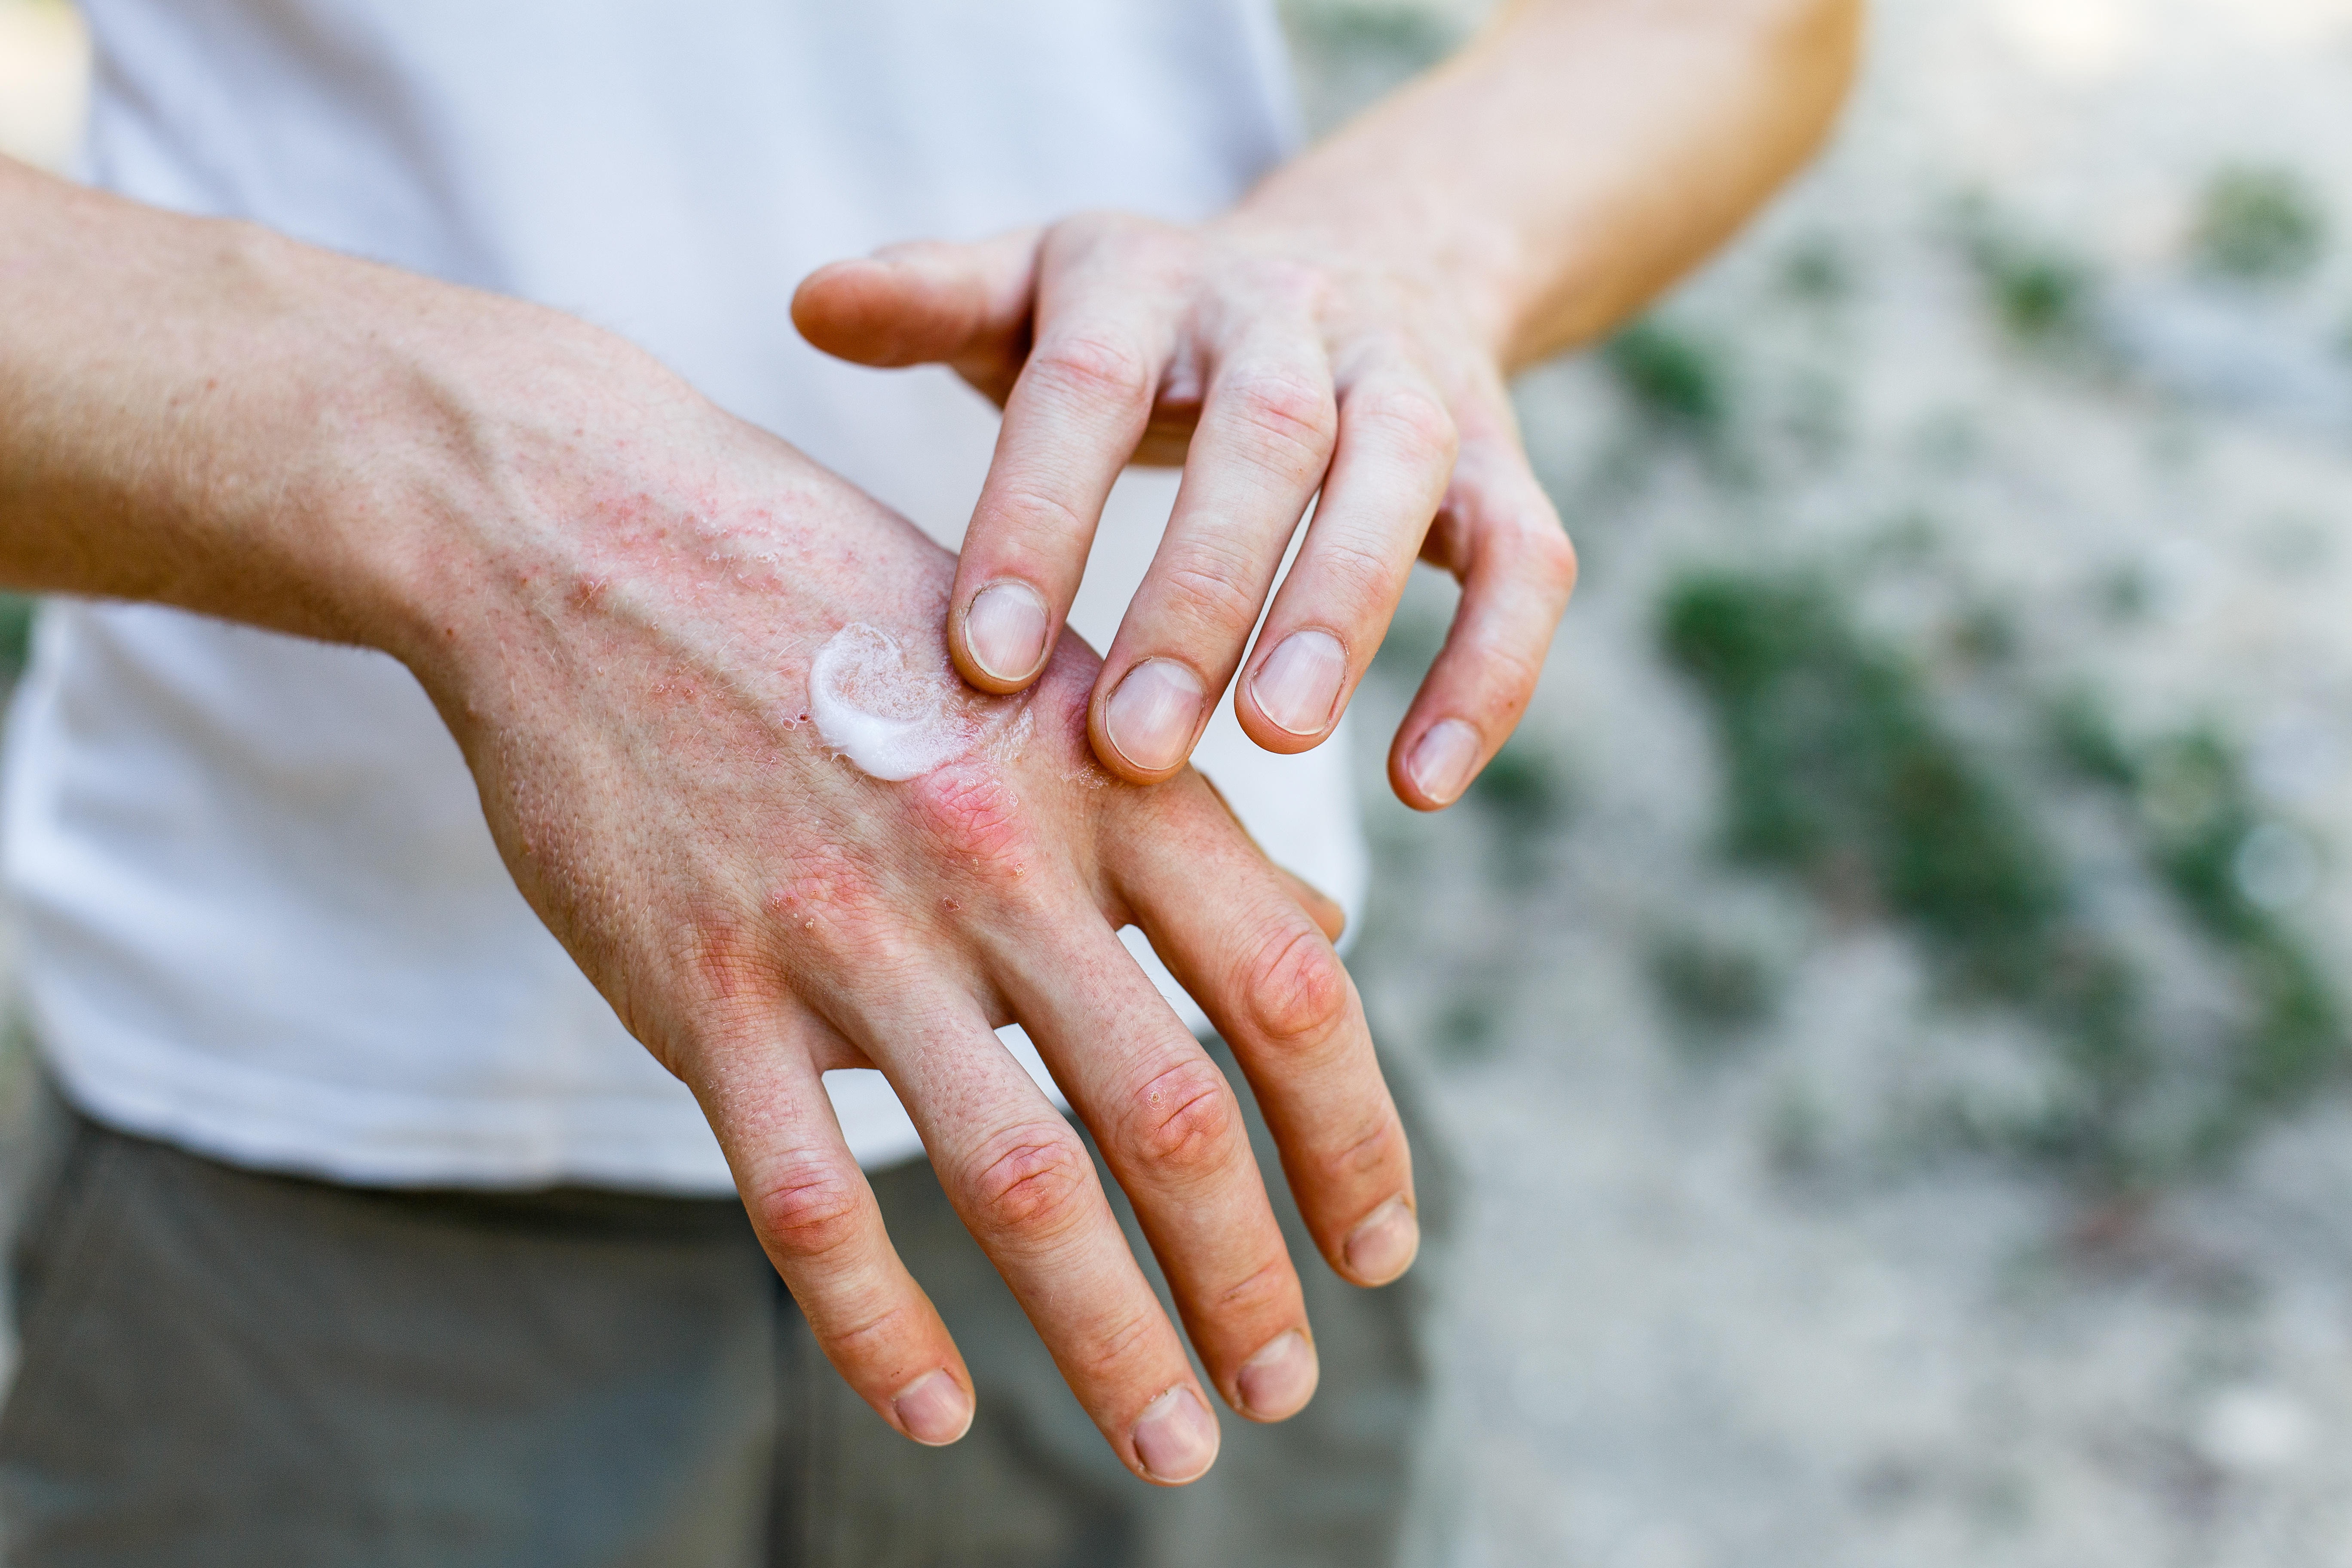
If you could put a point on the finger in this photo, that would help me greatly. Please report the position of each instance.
(1267, 976)
(1083, 401)
(1499, 534)
(1264, 441)
(1321, 907)
(927, 302)
(1020, 1178)
(816, 1218)
(1390, 469)
(1171, 1130)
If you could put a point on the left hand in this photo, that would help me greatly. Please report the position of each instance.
(1276, 365)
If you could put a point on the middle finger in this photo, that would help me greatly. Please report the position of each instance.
(1171, 1130)
(1020, 1177)
(1263, 440)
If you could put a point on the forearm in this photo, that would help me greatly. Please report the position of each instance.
(1578, 156)
(206, 415)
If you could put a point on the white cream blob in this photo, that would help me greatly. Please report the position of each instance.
(890, 719)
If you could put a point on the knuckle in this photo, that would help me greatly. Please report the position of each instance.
(872, 1333)
(974, 819)
(829, 903)
(1182, 1123)
(1297, 989)
(728, 964)
(1037, 516)
(1209, 589)
(1358, 576)
(1094, 367)
(1038, 1181)
(1295, 413)
(1375, 1151)
(1267, 1287)
(810, 1210)
(1112, 1346)
(1551, 558)
(1505, 680)
(1410, 419)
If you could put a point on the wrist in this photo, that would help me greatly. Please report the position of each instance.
(472, 449)
(1397, 234)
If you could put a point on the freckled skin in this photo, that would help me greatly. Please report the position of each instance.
(612, 590)
(738, 890)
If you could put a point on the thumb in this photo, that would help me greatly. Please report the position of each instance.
(927, 302)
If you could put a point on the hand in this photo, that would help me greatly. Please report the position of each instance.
(620, 633)
(1277, 365)
(613, 592)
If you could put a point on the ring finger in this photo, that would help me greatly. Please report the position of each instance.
(1020, 1176)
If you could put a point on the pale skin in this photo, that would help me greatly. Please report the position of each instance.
(612, 590)
(1347, 331)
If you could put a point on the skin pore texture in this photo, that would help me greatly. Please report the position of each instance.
(618, 597)
(614, 592)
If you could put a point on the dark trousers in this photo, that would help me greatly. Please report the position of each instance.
(222, 1366)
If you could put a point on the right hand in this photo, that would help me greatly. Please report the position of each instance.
(616, 616)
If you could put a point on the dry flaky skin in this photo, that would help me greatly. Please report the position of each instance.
(629, 691)
(612, 590)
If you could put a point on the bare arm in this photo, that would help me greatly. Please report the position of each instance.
(613, 593)
(1578, 156)
(1345, 330)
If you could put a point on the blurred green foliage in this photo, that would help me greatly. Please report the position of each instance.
(2203, 830)
(2258, 224)
(1349, 54)
(1717, 986)
(1525, 794)
(2040, 296)
(1836, 761)
(1679, 381)
(16, 633)
(1522, 785)
(1467, 1031)
(2041, 293)
(1817, 269)
(1839, 769)
(1409, 32)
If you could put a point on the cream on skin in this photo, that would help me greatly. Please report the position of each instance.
(872, 704)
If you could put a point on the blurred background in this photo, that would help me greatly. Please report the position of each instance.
(1891, 1000)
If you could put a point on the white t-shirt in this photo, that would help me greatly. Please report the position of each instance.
(262, 916)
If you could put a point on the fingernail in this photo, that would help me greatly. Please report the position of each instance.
(1299, 682)
(1176, 1437)
(1280, 1379)
(934, 1409)
(1382, 1247)
(1442, 760)
(1151, 716)
(1004, 630)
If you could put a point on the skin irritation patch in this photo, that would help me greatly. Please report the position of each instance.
(894, 717)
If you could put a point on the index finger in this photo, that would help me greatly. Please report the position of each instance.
(1073, 419)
